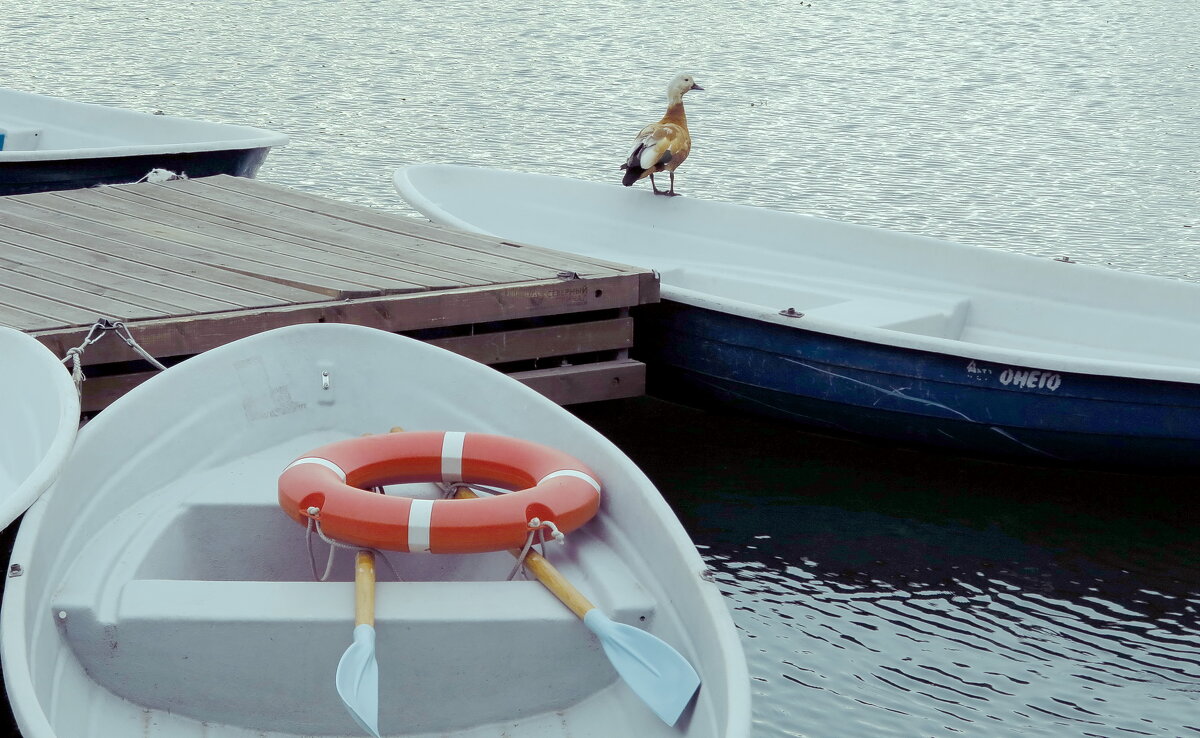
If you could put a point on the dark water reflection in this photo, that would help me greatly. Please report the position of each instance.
(893, 592)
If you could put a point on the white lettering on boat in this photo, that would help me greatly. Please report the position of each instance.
(1032, 379)
(973, 368)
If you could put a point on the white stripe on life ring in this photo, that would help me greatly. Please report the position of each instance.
(319, 462)
(419, 515)
(452, 456)
(572, 473)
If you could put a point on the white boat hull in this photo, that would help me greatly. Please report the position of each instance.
(39, 408)
(48, 143)
(170, 596)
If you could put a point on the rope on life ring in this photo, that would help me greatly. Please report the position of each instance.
(330, 483)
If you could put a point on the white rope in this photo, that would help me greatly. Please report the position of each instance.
(520, 565)
(158, 175)
(99, 329)
(314, 523)
(123, 331)
(537, 526)
(75, 356)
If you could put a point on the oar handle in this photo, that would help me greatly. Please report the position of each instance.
(546, 573)
(364, 588)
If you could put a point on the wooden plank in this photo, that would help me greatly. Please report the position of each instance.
(100, 392)
(18, 286)
(264, 258)
(303, 230)
(404, 251)
(23, 320)
(606, 380)
(584, 266)
(217, 282)
(541, 342)
(324, 249)
(185, 336)
(260, 263)
(60, 314)
(155, 288)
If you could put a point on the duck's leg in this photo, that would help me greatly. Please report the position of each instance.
(671, 192)
(656, 190)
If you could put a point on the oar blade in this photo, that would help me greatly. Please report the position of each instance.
(655, 671)
(357, 680)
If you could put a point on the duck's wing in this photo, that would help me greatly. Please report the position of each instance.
(653, 145)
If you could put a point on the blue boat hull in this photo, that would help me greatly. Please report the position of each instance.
(1023, 413)
(24, 177)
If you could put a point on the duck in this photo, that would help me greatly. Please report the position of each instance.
(663, 145)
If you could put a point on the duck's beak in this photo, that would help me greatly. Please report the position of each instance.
(697, 87)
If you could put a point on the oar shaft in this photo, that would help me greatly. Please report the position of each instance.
(554, 581)
(364, 588)
(546, 573)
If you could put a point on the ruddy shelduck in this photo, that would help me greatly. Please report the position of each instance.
(663, 145)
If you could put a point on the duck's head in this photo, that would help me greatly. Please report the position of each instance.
(682, 83)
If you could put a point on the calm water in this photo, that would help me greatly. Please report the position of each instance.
(880, 592)
(889, 592)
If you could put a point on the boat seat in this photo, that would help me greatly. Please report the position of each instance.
(185, 622)
(940, 318)
(19, 137)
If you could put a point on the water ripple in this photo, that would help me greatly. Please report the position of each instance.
(974, 651)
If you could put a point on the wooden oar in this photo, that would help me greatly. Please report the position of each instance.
(654, 670)
(357, 675)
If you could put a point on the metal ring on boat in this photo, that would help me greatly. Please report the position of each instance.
(551, 485)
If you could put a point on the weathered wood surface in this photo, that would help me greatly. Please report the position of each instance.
(190, 265)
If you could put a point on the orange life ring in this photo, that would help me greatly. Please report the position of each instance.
(332, 481)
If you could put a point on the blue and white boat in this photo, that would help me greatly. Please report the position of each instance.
(869, 331)
(48, 143)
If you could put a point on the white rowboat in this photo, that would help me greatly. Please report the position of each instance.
(167, 594)
(48, 143)
(39, 413)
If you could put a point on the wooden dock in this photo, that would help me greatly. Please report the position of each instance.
(192, 264)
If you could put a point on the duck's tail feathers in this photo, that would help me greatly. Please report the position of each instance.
(632, 174)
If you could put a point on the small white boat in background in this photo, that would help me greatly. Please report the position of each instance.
(869, 331)
(39, 416)
(167, 594)
(47, 143)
